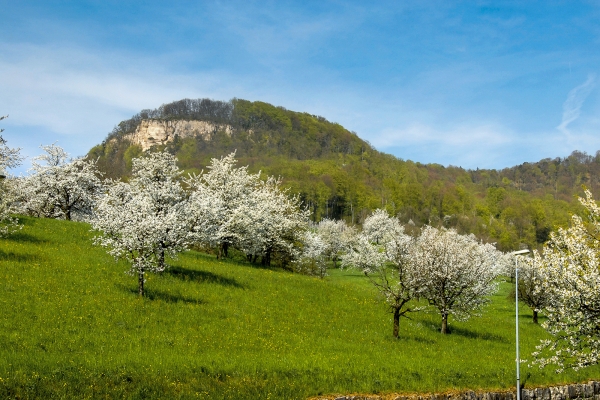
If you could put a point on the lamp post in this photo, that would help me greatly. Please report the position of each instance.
(517, 253)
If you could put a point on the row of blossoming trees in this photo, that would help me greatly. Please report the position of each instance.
(159, 213)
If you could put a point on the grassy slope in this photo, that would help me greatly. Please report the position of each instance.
(72, 326)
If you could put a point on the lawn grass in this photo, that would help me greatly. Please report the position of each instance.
(72, 326)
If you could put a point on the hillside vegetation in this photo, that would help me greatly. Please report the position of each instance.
(338, 175)
(72, 326)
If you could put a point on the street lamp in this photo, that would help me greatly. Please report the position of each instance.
(517, 253)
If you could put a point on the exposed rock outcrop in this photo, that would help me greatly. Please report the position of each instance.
(151, 132)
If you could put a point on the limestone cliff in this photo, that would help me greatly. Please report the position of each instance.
(151, 132)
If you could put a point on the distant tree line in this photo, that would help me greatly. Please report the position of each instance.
(558, 177)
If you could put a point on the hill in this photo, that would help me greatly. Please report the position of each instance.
(338, 175)
(72, 326)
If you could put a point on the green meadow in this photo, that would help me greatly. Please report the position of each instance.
(72, 326)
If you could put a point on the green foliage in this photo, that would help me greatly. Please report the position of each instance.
(72, 326)
(131, 153)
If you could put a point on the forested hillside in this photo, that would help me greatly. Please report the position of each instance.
(338, 175)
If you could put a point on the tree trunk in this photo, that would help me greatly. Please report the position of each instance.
(161, 258)
(535, 317)
(141, 283)
(266, 258)
(225, 249)
(396, 322)
(445, 324)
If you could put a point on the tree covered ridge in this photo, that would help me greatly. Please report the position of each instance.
(338, 175)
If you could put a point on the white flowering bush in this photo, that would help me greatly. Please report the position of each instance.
(570, 277)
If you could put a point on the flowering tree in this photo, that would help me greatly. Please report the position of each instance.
(379, 226)
(312, 259)
(337, 237)
(530, 278)
(9, 158)
(217, 201)
(456, 273)
(236, 209)
(506, 266)
(570, 277)
(145, 219)
(270, 223)
(58, 188)
(385, 259)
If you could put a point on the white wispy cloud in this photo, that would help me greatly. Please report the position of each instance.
(76, 96)
(468, 145)
(459, 135)
(57, 87)
(575, 99)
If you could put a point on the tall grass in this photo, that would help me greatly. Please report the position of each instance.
(72, 326)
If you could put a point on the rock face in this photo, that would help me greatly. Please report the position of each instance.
(151, 132)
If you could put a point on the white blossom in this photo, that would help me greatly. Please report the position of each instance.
(337, 237)
(59, 188)
(384, 257)
(379, 227)
(312, 259)
(144, 220)
(456, 272)
(9, 158)
(570, 277)
(218, 197)
(233, 208)
(270, 223)
(530, 281)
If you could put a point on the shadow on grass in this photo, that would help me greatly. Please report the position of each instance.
(417, 339)
(170, 298)
(235, 257)
(478, 335)
(10, 256)
(202, 276)
(23, 238)
(154, 295)
(458, 331)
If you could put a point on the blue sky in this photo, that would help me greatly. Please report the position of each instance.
(472, 84)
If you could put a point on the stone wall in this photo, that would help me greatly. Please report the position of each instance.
(580, 391)
(152, 132)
